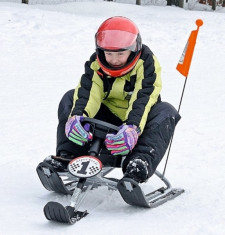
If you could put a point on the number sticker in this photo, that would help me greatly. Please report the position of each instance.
(85, 166)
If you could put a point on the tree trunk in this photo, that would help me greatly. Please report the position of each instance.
(214, 5)
(25, 1)
(181, 3)
(138, 2)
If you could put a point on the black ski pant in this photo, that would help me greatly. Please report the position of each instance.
(151, 145)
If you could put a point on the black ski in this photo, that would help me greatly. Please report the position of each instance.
(56, 212)
(132, 194)
(50, 179)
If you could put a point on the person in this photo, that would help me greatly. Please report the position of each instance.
(121, 85)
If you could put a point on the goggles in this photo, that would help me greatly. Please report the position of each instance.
(116, 40)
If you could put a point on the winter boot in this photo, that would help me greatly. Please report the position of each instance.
(137, 169)
(59, 163)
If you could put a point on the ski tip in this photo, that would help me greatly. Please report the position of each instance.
(56, 212)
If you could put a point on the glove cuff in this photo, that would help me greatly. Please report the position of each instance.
(136, 128)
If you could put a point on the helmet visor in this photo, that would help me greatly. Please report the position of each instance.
(114, 40)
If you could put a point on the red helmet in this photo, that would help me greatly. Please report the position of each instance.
(117, 34)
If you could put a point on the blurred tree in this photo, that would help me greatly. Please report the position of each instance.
(214, 5)
(138, 2)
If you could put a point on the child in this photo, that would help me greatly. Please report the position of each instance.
(121, 85)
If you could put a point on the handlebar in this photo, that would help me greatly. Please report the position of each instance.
(100, 128)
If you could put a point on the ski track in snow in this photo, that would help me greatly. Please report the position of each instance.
(43, 50)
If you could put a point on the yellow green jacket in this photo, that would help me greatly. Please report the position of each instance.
(129, 97)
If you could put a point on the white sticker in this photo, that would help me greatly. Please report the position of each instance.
(181, 60)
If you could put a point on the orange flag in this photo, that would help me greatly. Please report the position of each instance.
(186, 57)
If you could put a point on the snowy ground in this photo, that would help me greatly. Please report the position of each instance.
(42, 52)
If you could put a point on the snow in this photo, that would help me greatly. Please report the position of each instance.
(43, 50)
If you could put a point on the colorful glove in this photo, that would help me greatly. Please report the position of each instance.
(124, 141)
(76, 132)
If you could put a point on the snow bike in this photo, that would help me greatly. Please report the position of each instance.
(87, 172)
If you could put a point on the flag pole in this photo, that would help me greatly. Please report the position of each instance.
(171, 140)
(183, 67)
(182, 95)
